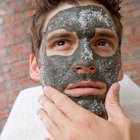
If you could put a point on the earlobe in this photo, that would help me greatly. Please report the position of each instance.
(120, 75)
(34, 69)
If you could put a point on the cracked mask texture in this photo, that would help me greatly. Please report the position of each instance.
(58, 71)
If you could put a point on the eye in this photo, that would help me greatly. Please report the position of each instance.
(61, 43)
(61, 46)
(104, 47)
(103, 43)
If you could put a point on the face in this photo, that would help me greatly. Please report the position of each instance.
(79, 55)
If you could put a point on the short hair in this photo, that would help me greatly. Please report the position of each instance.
(43, 7)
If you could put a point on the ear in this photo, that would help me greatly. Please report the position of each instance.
(34, 69)
(120, 75)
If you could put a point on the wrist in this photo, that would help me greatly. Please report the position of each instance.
(129, 129)
(135, 131)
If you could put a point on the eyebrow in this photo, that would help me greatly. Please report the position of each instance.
(60, 34)
(106, 34)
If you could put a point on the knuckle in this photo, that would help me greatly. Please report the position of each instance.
(84, 120)
(113, 102)
(61, 102)
(41, 114)
(57, 114)
(71, 135)
(52, 111)
(49, 127)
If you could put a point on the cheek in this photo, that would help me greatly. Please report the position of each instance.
(56, 70)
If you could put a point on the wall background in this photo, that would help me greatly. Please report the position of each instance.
(15, 46)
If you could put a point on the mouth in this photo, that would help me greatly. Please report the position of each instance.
(85, 88)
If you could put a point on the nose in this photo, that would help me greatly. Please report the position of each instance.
(85, 69)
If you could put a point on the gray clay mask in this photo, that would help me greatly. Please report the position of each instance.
(58, 71)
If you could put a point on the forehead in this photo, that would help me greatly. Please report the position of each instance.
(80, 17)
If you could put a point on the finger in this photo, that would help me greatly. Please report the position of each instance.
(65, 104)
(46, 139)
(114, 110)
(54, 113)
(49, 138)
(49, 124)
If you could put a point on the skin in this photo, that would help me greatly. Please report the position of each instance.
(64, 123)
(81, 42)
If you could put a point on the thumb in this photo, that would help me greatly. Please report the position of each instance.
(112, 103)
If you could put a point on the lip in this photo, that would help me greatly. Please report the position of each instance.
(86, 88)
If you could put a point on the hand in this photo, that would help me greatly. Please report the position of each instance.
(65, 120)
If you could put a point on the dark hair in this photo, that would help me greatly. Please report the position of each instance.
(43, 7)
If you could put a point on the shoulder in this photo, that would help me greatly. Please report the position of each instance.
(130, 98)
(127, 83)
(128, 87)
(28, 98)
(23, 122)
(32, 91)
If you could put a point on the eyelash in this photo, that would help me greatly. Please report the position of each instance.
(57, 43)
(107, 42)
(65, 41)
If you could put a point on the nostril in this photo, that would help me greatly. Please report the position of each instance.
(92, 68)
(84, 69)
(78, 68)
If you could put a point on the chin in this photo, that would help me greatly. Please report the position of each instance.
(94, 103)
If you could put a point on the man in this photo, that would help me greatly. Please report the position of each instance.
(77, 47)
(76, 50)
(79, 52)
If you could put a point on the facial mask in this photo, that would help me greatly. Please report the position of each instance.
(58, 71)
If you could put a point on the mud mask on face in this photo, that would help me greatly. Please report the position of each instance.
(58, 71)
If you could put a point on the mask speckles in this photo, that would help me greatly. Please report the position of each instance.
(99, 16)
(86, 52)
(58, 71)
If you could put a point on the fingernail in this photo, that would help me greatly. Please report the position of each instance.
(38, 113)
(39, 99)
(47, 139)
